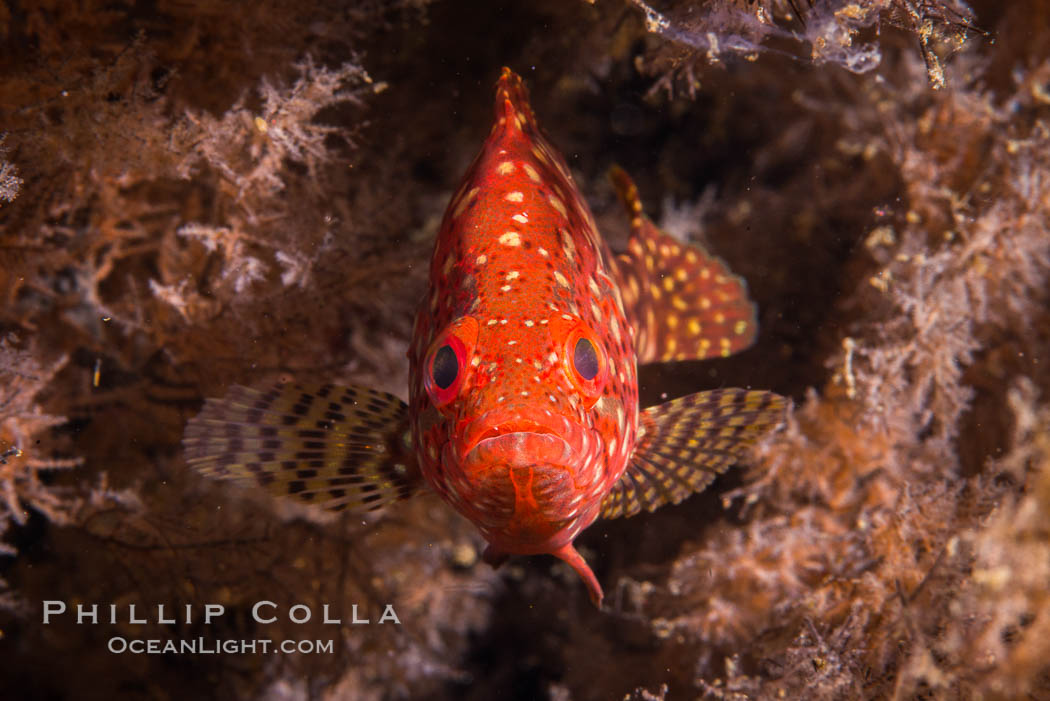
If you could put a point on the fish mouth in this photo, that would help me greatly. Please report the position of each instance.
(510, 438)
(510, 428)
(515, 471)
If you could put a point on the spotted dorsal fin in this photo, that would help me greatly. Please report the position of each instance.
(512, 100)
(683, 303)
(334, 447)
(685, 443)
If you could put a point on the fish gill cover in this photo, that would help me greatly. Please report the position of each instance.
(199, 195)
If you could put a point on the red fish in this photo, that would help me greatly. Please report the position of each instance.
(523, 395)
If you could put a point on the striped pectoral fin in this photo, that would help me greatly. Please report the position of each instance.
(683, 302)
(335, 447)
(689, 441)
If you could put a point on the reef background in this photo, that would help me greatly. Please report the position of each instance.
(195, 194)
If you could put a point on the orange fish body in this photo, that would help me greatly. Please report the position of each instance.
(541, 417)
(523, 412)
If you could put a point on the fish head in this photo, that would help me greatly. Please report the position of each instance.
(516, 423)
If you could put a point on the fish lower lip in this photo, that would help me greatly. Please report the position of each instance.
(495, 436)
(521, 448)
(495, 432)
(503, 423)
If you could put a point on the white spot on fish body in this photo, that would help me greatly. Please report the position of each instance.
(567, 244)
(531, 172)
(511, 238)
(614, 326)
(522, 218)
(505, 168)
(481, 260)
(558, 205)
(512, 275)
(464, 201)
(515, 196)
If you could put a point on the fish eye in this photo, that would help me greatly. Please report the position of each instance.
(445, 367)
(446, 364)
(585, 359)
